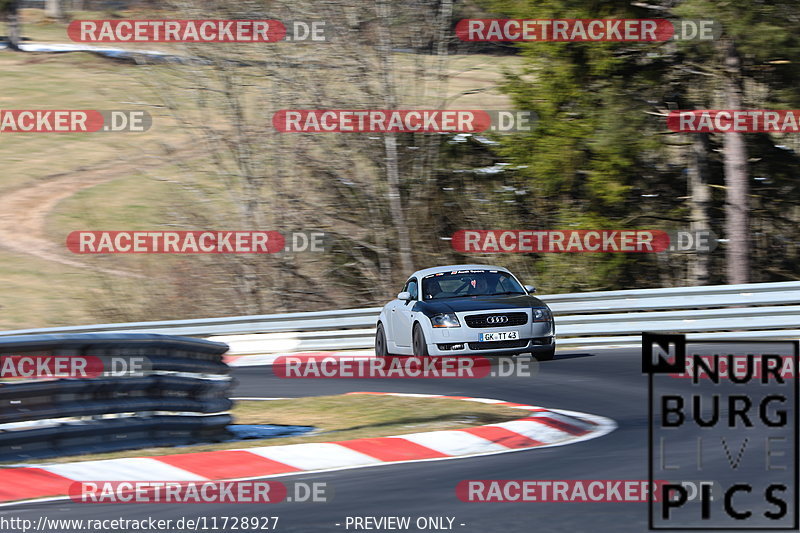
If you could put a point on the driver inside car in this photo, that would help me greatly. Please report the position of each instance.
(432, 288)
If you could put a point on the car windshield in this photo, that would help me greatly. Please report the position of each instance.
(461, 283)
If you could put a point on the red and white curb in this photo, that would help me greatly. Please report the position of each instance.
(537, 428)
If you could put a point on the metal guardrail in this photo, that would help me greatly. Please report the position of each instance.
(180, 396)
(754, 310)
(750, 311)
(205, 327)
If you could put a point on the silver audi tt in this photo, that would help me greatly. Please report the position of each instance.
(465, 310)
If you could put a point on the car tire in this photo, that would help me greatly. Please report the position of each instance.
(420, 347)
(545, 355)
(381, 348)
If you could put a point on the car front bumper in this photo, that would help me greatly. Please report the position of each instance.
(539, 344)
(464, 340)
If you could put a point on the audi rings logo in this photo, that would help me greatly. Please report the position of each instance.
(496, 319)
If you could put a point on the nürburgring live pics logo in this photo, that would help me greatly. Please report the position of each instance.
(725, 412)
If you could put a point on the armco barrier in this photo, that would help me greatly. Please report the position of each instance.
(181, 397)
(748, 311)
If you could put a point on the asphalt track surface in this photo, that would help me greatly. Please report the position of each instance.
(607, 382)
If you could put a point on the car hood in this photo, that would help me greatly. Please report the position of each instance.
(480, 303)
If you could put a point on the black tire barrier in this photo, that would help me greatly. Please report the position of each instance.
(103, 414)
(91, 397)
(117, 406)
(110, 435)
(164, 353)
(115, 344)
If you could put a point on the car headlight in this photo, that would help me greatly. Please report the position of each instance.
(445, 320)
(541, 314)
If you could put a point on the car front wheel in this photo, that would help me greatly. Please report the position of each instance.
(419, 344)
(381, 349)
(545, 355)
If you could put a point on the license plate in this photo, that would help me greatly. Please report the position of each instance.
(499, 336)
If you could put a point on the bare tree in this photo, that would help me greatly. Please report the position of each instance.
(54, 9)
(700, 201)
(736, 176)
(353, 186)
(10, 9)
(389, 90)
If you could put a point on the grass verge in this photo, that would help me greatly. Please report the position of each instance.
(337, 418)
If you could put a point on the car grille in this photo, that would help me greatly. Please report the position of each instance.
(520, 343)
(481, 321)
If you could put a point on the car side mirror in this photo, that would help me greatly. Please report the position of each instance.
(530, 288)
(405, 295)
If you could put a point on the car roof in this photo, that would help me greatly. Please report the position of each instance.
(450, 268)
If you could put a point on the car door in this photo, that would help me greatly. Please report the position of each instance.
(403, 316)
(388, 321)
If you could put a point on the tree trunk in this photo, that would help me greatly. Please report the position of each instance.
(426, 160)
(396, 210)
(13, 25)
(53, 9)
(700, 194)
(736, 177)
